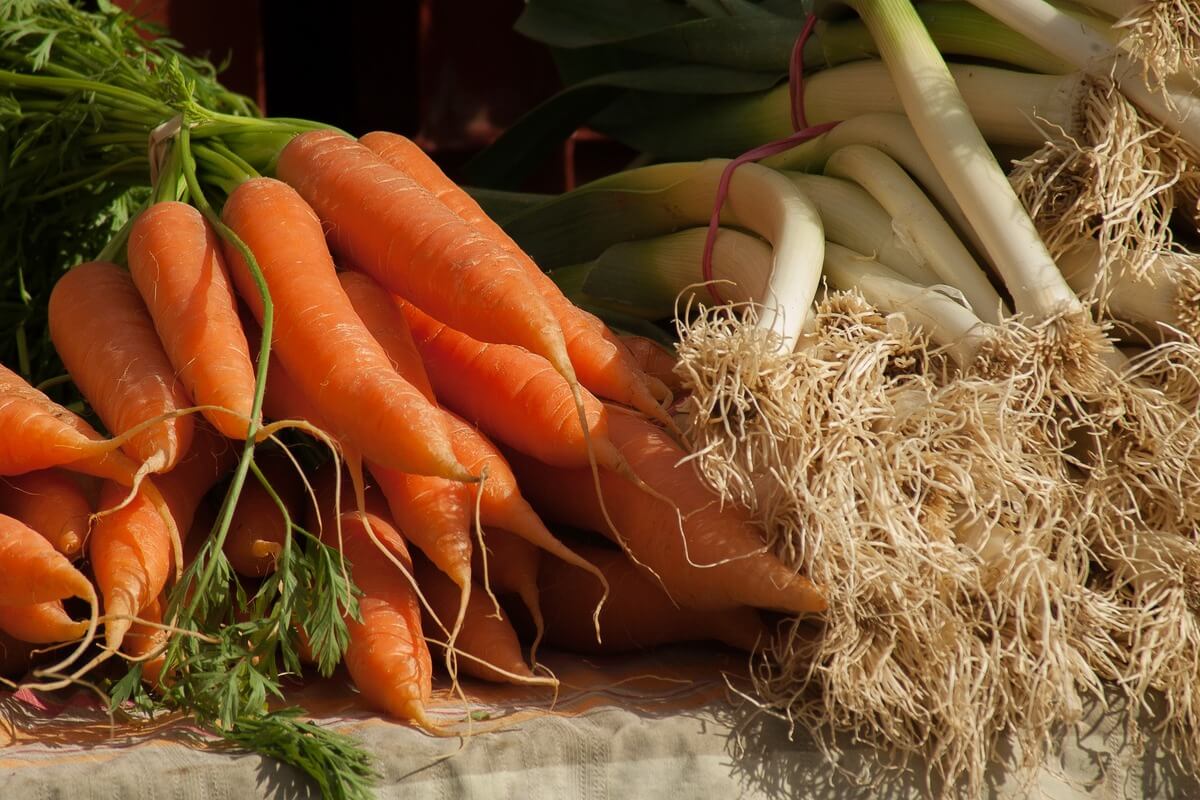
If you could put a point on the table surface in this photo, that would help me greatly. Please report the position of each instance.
(657, 725)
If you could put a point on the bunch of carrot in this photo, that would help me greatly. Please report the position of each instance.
(361, 297)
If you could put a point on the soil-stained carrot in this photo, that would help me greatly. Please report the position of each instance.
(176, 263)
(34, 572)
(513, 395)
(323, 344)
(258, 530)
(130, 548)
(106, 339)
(387, 655)
(601, 362)
(512, 567)
(488, 641)
(707, 557)
(52, 503)
(400, 234)
(41, 623)
(639, 613)
(656, 361)
(36, 433)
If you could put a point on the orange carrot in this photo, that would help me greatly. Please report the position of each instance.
(512, 566)
(601, 361)
(282, 398)
(378, 312)
(501, 504)
(512, 394)
(36, 433)
(387, 656)
(655, 361)
(106, 339)
(145, 637)
(639, 613)
(326, 349)
(488, 641)
(34, 572)
(435, 514)
(435, 517)
(706, 556)
(130, 548)
(175, 261)
(400, 234)
(52, 503)
(40, 623)
(258, 529)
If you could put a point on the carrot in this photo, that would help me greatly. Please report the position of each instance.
(501, 504)
(391, 228)
(145, 637)
(52, 503)
(435, 514)
(130, 548)
(34, 572)
(513, 395)
(326, 349)
(512, 567)
(378, 312)
(41, 623)
(36, 433)
(639, 614)
(707, 557)
(387, 656)
(106, 339)
(487, 639)
(175, 261)
(258, 529)
(656, 361)
(601, 361)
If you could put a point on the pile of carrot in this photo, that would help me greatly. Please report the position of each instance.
(467, 403)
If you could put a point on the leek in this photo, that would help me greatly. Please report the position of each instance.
(1087, 50)
(915, 219)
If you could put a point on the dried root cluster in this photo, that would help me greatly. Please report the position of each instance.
(997, 543)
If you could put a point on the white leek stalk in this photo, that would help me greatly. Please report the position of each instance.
(1161, 300)
(1176, 107)
(852, 218)
(950, 136)
(945, 320)
(890, 134)
(917, 220)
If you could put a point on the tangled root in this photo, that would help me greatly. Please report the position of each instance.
(1155, 577)
(1119, 181)
(1165, 35)
(930, 506)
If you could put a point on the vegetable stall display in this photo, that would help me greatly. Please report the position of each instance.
(923, 476)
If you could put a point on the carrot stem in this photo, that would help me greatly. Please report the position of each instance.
(225, 516)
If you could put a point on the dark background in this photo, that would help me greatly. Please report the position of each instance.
(451, 74)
